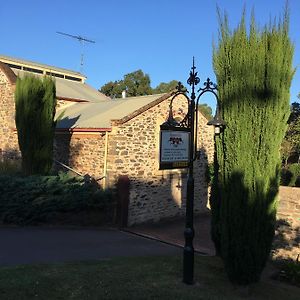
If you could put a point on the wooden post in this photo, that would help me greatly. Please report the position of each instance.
(123, 185)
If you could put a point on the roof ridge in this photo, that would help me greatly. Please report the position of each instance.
(141, 96)
(160, 98)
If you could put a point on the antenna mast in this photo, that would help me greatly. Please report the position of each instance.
(82, 40)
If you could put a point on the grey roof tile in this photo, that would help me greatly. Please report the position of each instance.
(68, 89)
(99, 115)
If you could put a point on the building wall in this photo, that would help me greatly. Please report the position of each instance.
(82, 152)
(8, 137)
(134, 151)
(289, 205)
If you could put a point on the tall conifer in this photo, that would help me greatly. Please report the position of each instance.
(254, 73)
(35, 109)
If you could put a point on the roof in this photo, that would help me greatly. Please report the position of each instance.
(71, 90)
(18, 61)
(101, 115)
(70, 85)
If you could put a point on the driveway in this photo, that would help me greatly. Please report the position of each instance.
(52, 245)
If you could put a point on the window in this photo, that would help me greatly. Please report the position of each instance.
(14, 66)
(55, 74)
(73, 78)
(33, 70)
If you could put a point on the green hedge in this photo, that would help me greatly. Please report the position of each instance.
(10, 167)
(40, 199)
(290, 176)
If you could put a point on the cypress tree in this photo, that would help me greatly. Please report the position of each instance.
(35, 100)
(254, 72)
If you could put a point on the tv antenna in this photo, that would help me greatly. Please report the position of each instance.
(82, 40)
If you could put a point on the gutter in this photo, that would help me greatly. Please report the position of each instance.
(72, 99)
(71, 130)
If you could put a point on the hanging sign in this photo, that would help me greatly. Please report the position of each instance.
(174, 148)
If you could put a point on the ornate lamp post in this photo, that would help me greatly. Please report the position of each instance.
(187, 154)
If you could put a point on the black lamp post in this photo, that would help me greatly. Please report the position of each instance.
(219, 125)
(190, 124)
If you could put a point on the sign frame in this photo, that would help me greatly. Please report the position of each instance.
(170, 156)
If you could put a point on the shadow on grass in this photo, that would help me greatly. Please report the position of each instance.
(130, 278)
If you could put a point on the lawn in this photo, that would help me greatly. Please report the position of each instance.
(131, 278)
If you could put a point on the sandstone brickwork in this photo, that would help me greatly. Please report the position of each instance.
(82, 152)
(8, 137)
(289, 205)
(286, 243)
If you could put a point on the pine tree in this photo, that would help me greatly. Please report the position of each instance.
(254, 73)
(35, 100)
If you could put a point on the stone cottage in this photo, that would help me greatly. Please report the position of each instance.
(107, 138)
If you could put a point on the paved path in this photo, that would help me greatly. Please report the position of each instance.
(171, 231)
(49, 245)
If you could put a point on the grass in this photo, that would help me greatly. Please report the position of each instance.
(130, 278)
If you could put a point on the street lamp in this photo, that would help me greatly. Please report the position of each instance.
(184, 155)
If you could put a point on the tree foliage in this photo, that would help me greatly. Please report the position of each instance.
(35, 109)
(165, 87)
(112, 89)
(135, 84)
(292, 137)
(254, 73)
(206, 110)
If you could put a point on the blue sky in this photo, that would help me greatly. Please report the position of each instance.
(158, 36)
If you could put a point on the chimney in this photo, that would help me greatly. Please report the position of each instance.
(124, 94)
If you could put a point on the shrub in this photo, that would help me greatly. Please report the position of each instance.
(35, 110)
(10, 167)
(39, 199)
(290, 176)
(289, 271)
(295, 172)
(254, 72)
(209, 173)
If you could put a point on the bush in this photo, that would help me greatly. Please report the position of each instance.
(254, 70)
(10, 167)
(35, 110)
(289, 271)
(295, 170)
(41, 199)
(209, 173)
(290, 176)
(285, 176)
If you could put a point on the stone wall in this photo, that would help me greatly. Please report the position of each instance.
(82, 152)
(289, 205)
(134, 151)
(8, 137)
